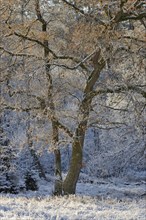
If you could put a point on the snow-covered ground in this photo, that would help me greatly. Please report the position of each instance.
(110, 199)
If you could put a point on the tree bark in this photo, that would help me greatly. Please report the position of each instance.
(58, 171)
(69, 184)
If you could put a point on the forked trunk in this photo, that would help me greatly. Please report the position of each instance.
(69, 184)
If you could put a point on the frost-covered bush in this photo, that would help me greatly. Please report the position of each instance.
(30, 182)
(7, 156)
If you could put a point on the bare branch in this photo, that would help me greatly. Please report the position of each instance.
(121, 89)
(74, 7)
(38, 12)
(121, 16)
(76, 66)
(87, 15)
(64, 128)
(20, 54)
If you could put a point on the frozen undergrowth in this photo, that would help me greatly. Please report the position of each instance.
(101, 200)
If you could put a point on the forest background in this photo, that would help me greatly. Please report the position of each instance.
(72, 92)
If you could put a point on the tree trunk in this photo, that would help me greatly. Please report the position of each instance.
(58, 181)
(28, 131)
(58, 170)
(69, 184)
(58, 175)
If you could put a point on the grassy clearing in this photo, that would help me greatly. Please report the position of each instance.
(70, 208)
